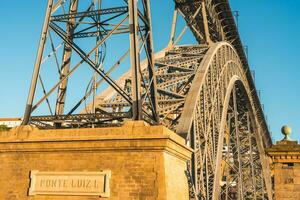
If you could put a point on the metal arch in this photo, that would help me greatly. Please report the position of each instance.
(237, 81)
(188, 115)
(190, 103)
(228, 32)
(230, 87)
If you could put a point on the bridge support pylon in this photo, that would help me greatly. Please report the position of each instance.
(285, 165)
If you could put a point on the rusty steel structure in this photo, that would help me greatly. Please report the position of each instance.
(204, 92)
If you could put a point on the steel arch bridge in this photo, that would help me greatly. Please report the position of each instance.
(204, 92)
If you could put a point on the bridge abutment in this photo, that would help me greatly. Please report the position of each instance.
(135, 161)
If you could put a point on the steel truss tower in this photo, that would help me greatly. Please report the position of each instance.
(71, 26)
(204, 92)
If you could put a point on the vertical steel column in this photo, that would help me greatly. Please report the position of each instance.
(205, 23)
(66, 62)
(227, 159)
(251, 156)
(97, 5)
(264, 161)
(173, 29)
(194, 163)
(135, 60)
(37, 64)
(236, 129)
(151, 61)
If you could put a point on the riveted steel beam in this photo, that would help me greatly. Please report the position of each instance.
(37, 65)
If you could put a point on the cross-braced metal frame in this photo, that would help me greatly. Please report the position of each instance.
(204, 92)
(99, 24)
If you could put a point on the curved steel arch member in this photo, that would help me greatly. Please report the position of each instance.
(220, 123)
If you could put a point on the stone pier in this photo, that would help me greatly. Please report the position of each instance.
(132, 162)
(285, 165)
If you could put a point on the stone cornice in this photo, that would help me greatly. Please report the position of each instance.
(133, 136)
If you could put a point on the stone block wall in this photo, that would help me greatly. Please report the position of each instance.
(146, 162)
(285, 165)
(287, 181)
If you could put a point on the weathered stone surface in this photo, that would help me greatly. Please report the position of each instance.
(285, 156)
(70, 183)
(146, 162)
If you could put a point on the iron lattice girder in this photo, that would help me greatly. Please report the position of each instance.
(94, 13)
(124, 104)
(103, 33)
(77, 118)
(174, 79)
(212, 81)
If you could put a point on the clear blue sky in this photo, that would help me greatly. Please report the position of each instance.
(271, 29)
